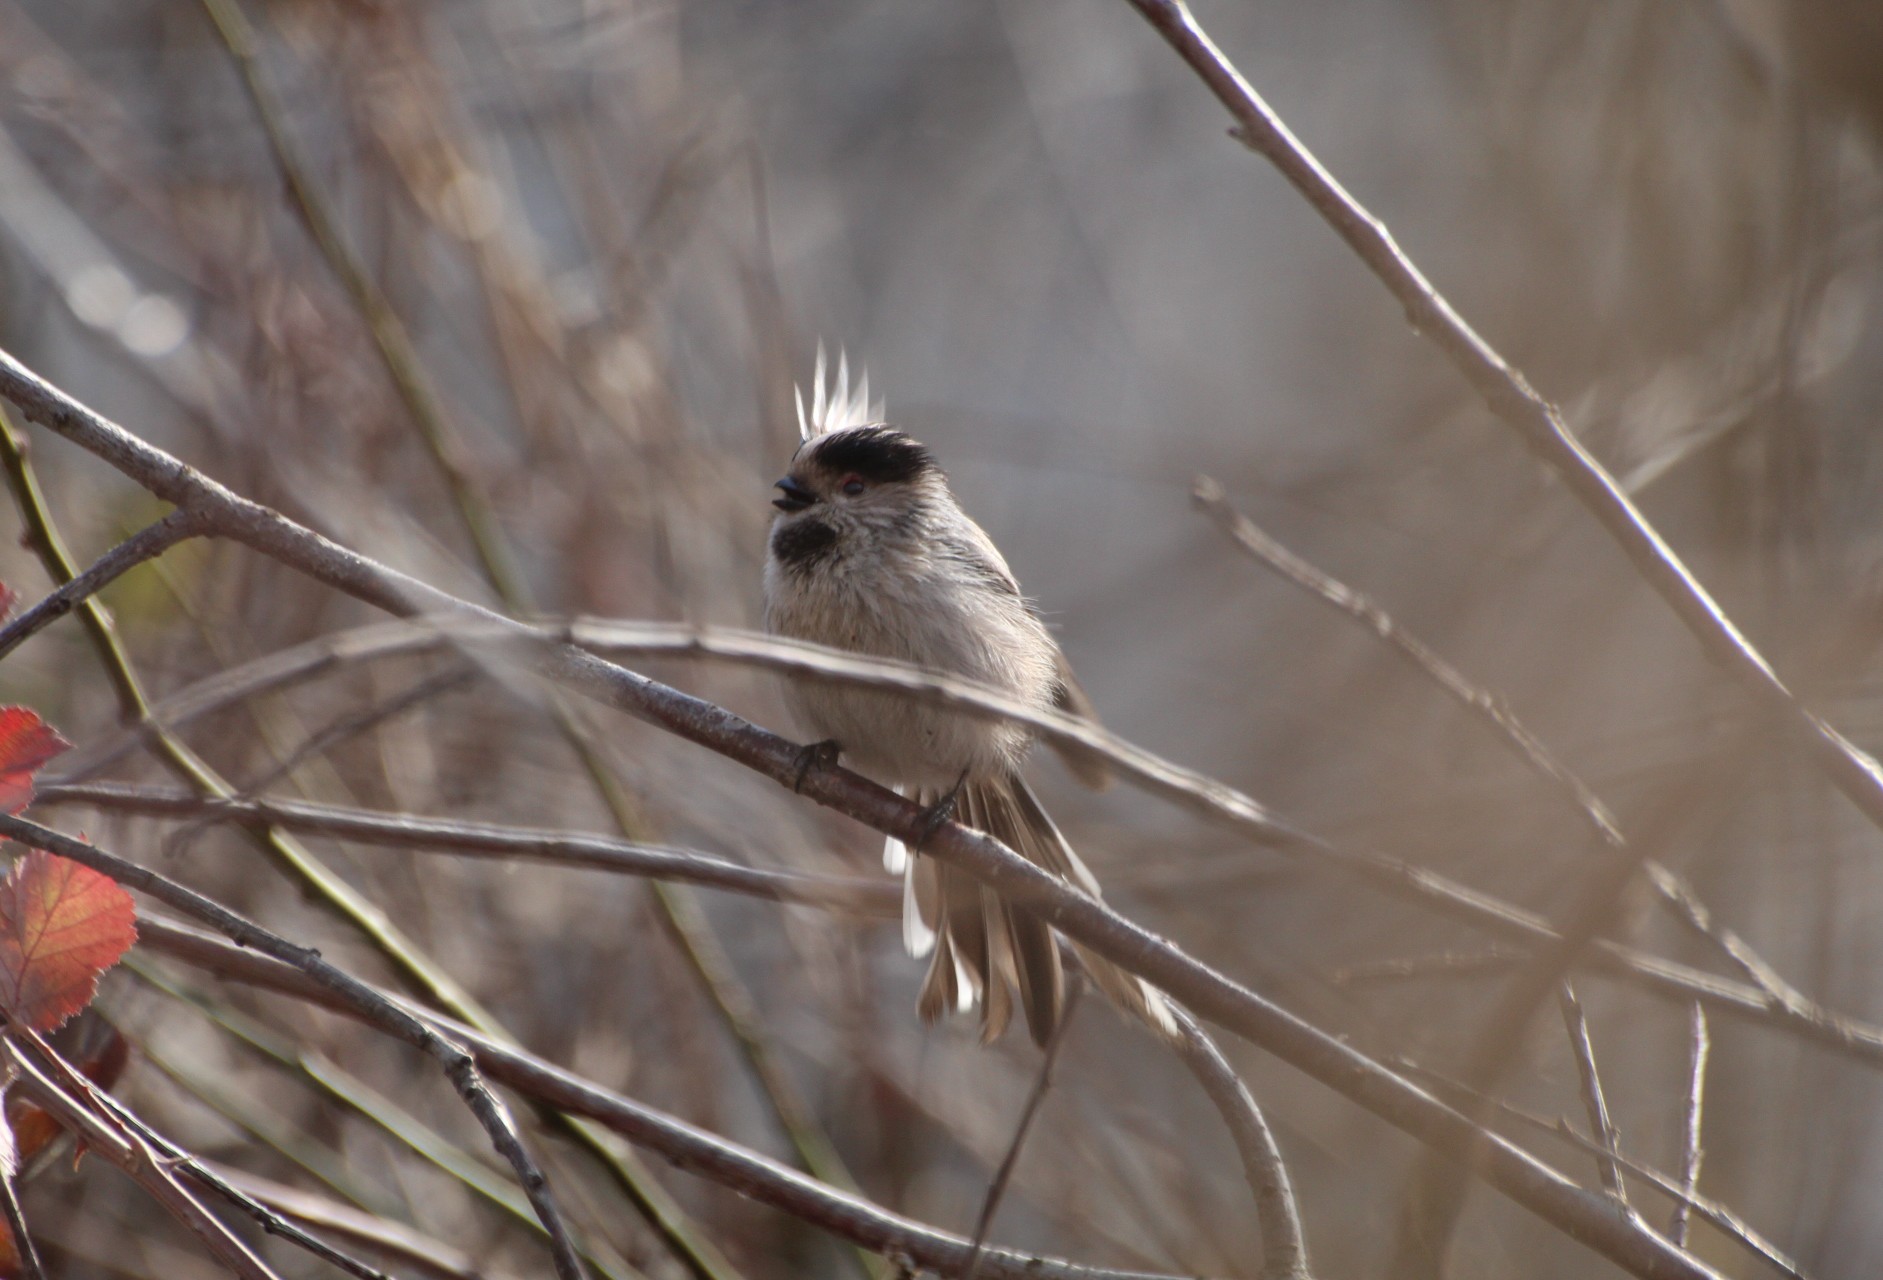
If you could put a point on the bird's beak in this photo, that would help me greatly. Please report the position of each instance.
(796, 496)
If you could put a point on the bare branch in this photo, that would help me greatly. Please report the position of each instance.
(870, 897)
(1284, 1244)
(1690, 1145)
(684, 1145)
(146, 544)
(1375, 621)
(1509, 395)
(458, 1065)
(26, 1255)
(1491, 709)
(1713, 1211)
(1593, 1099)
(392, 1238)
(129, 1153)
(1541, 1190)
(997, 1186)
(269, 1221)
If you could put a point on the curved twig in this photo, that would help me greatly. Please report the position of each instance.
(1515, 1173)
(1284, 1245)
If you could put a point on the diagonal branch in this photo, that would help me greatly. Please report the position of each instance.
(1327, 1057)
(1509, 395)
(1676, 894)
(1769, 1001)
(146, 544)
(458, 1065)
(686, 1146)
(128, 1152)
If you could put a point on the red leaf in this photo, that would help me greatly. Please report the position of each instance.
(26, 743)
(61, 925)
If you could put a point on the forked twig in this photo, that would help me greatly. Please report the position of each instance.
(457, 1064)
(1210, 994)
(1594, 1101)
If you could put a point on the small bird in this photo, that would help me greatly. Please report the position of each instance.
(871, 553)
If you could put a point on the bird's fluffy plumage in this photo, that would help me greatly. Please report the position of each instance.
(873, 554)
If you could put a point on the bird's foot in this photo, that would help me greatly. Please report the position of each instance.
(937, 814)
(818, 755)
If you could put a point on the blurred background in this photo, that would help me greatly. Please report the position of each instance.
(513, 296)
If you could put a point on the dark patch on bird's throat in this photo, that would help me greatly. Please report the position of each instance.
(881, 455)
(801, 545)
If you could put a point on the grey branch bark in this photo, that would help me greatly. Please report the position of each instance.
(1510, 396)
(1526, 1180)
(684, 1145)
(1284, 1244)
(458, 1065)
(146, 544)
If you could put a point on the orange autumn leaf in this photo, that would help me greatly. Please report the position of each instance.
(26, 743)
(61, 926)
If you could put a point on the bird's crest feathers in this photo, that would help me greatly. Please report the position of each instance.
(836, 405)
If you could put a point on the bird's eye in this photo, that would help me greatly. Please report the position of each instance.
(853, 485)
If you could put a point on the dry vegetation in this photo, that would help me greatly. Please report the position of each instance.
(510, 298)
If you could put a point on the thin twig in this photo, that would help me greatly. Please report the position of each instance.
(865, 896)
(325, 1079)
(685, 1145)
(24, 1253)
(269, 1221)
(659, 1209)
(1685, 905)
(1509, 395)
(1787, 1010)
(1284, 1244)
(997, 1187)
(146, 544)
(341, 730)
(1494, 711)
(1487, 706)
(138, 1132)
(128, 1152)
(384, 1236)
(1594, 1101)
(457, 1064)
(1713, 1211)
(1691, 1149)
(1210, 994)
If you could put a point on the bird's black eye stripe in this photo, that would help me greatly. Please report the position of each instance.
(880, 455)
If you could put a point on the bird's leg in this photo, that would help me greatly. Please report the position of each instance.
(818, 755)
(936, 814)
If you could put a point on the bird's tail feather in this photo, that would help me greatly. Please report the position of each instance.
(984, 947)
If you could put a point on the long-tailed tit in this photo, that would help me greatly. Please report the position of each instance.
(871, 552)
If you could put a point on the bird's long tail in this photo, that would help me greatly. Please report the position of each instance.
(982, 948)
